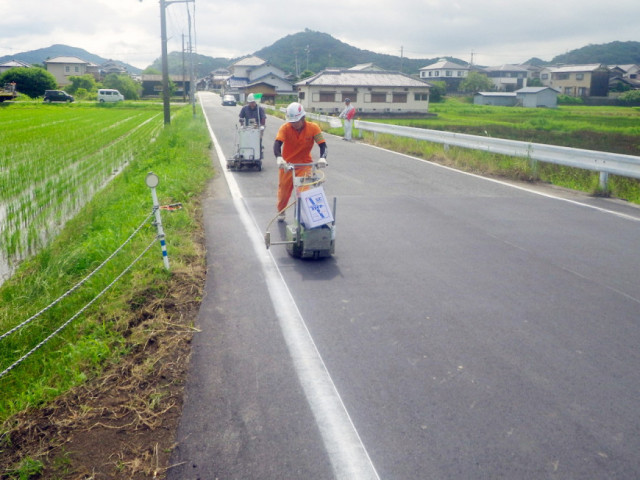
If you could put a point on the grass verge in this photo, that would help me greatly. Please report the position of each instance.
(130, 348)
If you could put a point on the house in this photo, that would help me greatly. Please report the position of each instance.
(507, 78)
(13, 64)
(152, 85)
(111, 66)
(216, 79)
(590, 80)
(379, 92)
(64, 67)
(623, 78)
(537, 97)
(255, 75)
(630, 71)
(445, 71)
(366, 66)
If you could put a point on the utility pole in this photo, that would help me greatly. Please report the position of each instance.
(165, 64)
(184, 91)
(401, 57)
(166, 95)
(192, 87)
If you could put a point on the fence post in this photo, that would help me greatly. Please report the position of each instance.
(152, 181)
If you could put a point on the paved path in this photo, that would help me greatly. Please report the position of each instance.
(464, 329)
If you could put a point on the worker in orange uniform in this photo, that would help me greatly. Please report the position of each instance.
(298, 136)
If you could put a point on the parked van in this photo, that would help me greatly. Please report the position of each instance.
(108, 95)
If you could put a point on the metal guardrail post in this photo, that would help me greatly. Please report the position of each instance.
(604, 181)
(152, 181)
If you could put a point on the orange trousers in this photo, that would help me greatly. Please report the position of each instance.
(285, 185)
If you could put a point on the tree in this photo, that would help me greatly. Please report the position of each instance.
(87, 82)
(124, 84)
(475, 82)
(30, 81)
(437, 91)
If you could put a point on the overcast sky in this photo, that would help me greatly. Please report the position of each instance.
(495, 32)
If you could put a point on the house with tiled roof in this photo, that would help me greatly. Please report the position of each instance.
(254, 75)
(13, 64)
(373, 92)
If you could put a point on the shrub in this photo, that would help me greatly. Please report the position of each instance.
(569, 100)
(630, 98)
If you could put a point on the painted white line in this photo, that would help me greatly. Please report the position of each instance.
(348, 456)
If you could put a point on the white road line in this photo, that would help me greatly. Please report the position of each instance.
(348, 456)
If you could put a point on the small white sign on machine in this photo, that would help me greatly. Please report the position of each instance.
(314, 208)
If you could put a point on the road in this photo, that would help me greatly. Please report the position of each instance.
(465, 329)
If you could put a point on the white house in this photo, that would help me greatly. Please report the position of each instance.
(507, 78)
(445, 71)
(380, 92)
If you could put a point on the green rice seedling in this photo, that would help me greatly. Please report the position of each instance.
(54, 161)
(100, 335)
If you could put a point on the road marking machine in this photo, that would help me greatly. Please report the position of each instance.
(249, 150)
(313, 231)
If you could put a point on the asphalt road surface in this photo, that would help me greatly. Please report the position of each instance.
(464, 329)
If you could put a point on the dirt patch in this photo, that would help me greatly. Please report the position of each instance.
(121, 425)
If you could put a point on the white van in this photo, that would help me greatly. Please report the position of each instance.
(108, 95)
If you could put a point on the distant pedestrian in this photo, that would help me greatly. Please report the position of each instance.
(348, 113)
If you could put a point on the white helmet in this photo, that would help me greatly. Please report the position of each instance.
(294, 112)
(250, 98)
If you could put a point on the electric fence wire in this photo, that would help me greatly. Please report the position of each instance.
(74, 288)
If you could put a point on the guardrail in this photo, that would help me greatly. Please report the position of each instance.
(604, 162)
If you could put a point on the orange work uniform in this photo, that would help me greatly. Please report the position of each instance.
(296, 149)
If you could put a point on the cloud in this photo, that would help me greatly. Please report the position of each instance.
(494, 31)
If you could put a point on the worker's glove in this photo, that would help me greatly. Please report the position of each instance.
(281, 163)
(322, 162)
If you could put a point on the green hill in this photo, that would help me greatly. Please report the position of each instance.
(316, 51)
(38, 56)
(614, 53)
(203, 65)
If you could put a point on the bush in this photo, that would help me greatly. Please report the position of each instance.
(630, 98)
(30, 81)
(569, 100)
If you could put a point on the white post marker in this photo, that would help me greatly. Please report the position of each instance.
(152, 181)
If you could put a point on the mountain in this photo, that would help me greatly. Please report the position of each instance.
(614, 53)
(39, 56)
(316, 51)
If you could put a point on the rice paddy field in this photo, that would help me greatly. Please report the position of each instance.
(53, 158)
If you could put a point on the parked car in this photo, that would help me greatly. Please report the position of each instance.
(109, 95)
(229, 100)
(57, 96)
